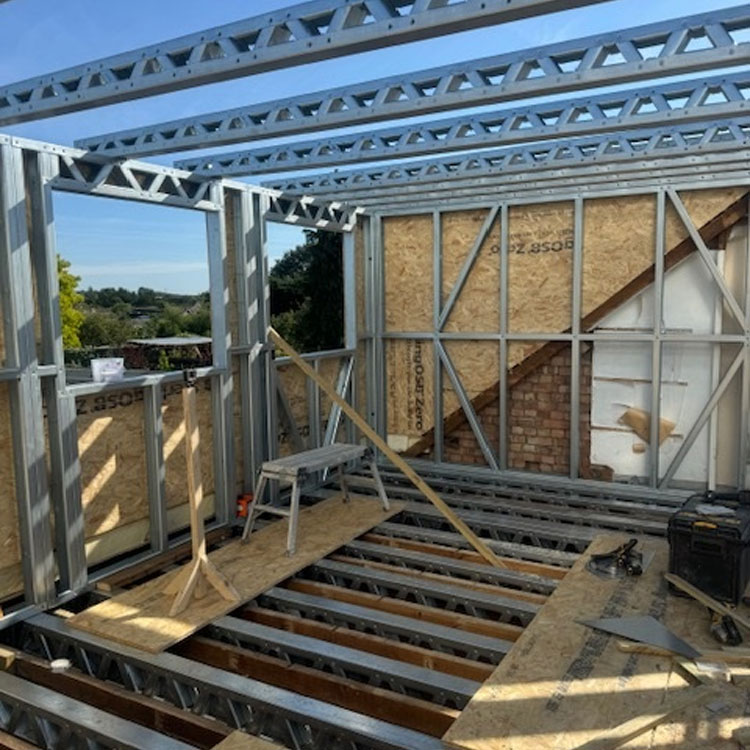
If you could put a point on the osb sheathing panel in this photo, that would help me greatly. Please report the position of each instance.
(294, 383)
(11, 581)
(478, 306)
(540, 267)
(174, 442)
(111, 444)
(408, 244)
(476, 363)
(409, 386)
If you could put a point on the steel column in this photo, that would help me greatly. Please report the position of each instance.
(26, 411)
(65, 469)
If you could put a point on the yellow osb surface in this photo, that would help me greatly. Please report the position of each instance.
(140, 617)
(563, 684)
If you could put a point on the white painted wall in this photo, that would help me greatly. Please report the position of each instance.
(622, 376)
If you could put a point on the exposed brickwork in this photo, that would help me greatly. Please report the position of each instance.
(538, 422)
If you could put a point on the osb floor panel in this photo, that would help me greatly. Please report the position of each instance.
(140, 617)
(563, 684)
(242, 741)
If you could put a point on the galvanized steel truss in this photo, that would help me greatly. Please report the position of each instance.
(684, 45)
(636, 147)
(684, 102)
(316, 30)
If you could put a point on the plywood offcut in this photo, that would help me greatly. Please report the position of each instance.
(564, 685)
(139, 617)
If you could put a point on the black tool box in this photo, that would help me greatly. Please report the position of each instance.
(709, 543)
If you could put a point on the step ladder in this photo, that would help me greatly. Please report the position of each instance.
(295, 469)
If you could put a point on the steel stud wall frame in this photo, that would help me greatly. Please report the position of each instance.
(679, 46)
(661, 477)
(47, 469)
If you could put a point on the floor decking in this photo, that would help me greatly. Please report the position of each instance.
(140, 617)
(564, 685)
(378, 643)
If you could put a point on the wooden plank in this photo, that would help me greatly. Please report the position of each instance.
(7, 657)
(512, 563)
(709, 231)
(241, 741)
(155, 565)
(391, 455)
(707, 600)
(636, 726)
(374, 644)
(140, 617)
(564, 685)
(524, 596)
(396, 708)
(141, 709)
(9, 742)
(409, 609)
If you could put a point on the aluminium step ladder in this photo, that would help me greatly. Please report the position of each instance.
(295, 469)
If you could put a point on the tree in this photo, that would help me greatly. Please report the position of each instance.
(103, 328)
(307, 293)
(71, 317)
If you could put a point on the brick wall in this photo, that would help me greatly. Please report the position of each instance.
(538, 422)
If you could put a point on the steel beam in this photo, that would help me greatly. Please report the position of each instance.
(346, 662)
(633, 146)
(683, 102)
(292, 719)
(677, 46)
(417, 632)
(301, 34)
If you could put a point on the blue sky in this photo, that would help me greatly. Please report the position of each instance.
(113, 243)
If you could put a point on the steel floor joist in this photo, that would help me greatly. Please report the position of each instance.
(530, 509)
(506, 528)
(544, 555)
(684, 102)
(459, 568)
(648, 508)
(350, 663)
(673, 47)
(53, 721)
(426, 592)
(297, 35)
(294, 720)
(438, 637)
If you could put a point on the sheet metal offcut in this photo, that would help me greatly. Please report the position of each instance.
(644, 629)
